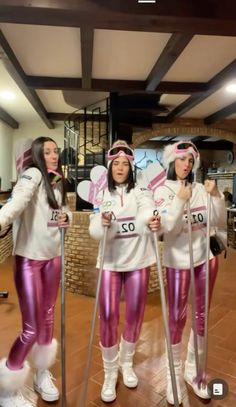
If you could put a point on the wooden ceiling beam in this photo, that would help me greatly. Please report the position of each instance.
(86, 39)
(53, 83)
(217, 82)
(183, 16)
(221, 114)
(112, 85)
(169, 55)
(181, 88)
(17, 73)
(6, 118)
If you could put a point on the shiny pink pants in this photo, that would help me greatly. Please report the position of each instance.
(178, 282)
(37, 283)
(135, 294)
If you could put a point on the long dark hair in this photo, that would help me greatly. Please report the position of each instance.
(39, 162)
(129, 180)
(171, 174)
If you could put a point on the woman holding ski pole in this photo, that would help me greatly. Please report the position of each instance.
(37, 209)
(181, 161)
(125, 209)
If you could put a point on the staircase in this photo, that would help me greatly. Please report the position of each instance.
(85, 142)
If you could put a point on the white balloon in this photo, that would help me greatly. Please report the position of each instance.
(87, 191)
(98, 176)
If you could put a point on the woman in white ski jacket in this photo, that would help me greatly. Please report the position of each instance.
(181, 159)
(37, 210)
(125, 210)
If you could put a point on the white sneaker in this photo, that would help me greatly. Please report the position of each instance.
(126, 356)
(129, 377)
(15, 400)
(108, 392)
(169, 389)
(178, 379)
(189, 376)
(43, 384)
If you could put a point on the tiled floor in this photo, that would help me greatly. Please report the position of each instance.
(149, 358)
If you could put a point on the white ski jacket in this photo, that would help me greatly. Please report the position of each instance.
(175, 227)
(129, 246)
(35, 230)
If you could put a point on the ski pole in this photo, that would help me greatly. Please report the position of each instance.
(82, 399)
(166, 326)
(192, 285)
(63, 353)
(205, 343)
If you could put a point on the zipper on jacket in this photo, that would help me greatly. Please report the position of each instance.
(121, 196)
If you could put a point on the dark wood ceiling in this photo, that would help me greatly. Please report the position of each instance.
(183, 19)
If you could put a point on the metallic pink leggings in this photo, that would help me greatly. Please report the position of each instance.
(135, 294)
(37, 283)
(178, 282)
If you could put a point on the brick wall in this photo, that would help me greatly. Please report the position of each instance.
(185, 127)
(6, 246)
(81, 255)
(71, 197)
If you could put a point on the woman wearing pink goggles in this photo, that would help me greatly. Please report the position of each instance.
(118, 150)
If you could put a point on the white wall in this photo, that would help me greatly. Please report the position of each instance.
(6, 136)
(34, 130)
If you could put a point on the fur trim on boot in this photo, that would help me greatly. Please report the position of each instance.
(44, 356)
(12, 380)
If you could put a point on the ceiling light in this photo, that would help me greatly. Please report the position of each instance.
(7, 95)
(231, 88)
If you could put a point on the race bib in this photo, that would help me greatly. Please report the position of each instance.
(53, 218)
(198, 218)
(126, 228)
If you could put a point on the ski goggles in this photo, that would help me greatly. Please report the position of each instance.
(116, 151)
(185, 147)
